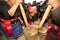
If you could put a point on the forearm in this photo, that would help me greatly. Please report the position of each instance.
(13, 9)
(20, 20)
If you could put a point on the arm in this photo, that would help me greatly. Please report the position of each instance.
(14, 7)
(20, 20)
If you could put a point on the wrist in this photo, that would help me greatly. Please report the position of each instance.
(50, 4)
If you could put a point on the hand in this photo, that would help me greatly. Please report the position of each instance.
(19, 1)
(51, 2)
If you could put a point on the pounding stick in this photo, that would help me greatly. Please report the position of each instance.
(45, 16)
(24, 16)
(31, 31)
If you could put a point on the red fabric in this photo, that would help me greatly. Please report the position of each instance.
(50, 26)
(53, 26)
(8, 27)
(58, 36)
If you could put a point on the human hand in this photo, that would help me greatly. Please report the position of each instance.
(19, 1)
(51, 2)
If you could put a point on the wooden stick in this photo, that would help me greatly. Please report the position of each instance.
(31, 31)
(45, 16)
(24, 16)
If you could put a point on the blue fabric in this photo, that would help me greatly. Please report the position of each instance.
(17, 29)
